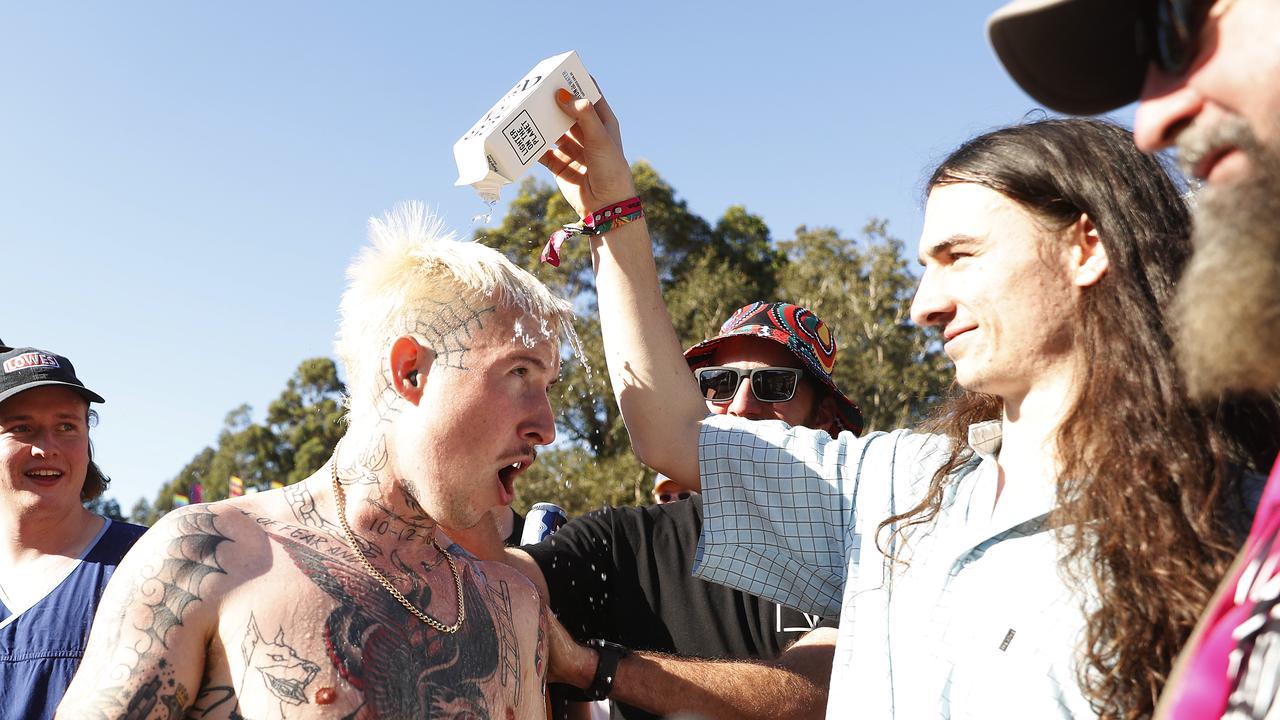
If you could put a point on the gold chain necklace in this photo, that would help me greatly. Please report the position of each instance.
(340, 499)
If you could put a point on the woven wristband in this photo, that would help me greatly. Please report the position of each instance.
(599, 222)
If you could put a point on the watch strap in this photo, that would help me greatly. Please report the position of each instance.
(610, 654)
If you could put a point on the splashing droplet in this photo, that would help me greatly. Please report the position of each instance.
(485, 217)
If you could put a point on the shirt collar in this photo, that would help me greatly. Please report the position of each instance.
(985, 438)
(1038, 496)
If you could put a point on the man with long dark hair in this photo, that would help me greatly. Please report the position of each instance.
(1001, 565)
(1207, 75)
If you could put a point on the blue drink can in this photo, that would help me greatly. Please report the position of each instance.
(541, 522)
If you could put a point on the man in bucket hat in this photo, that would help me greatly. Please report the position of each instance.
(55, 555)
(620, 579)
(666, 490)
(751, 337)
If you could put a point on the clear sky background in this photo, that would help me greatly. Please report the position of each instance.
(183, 184)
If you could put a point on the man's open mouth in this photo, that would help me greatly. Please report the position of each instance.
(507, 475)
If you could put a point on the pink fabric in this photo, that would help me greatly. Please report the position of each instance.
(597, 223)
(1206, 684)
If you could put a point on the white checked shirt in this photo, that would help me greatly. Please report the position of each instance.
(980, 624)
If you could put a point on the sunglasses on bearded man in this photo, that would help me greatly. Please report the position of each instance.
(769, 384)
(1169, 32)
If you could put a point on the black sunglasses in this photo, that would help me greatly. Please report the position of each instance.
(1169, 32)
(770, 384)
(672, 497)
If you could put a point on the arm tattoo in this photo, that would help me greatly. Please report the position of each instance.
(540, 649)
(167, 591)
(401, 667)
(161, 690)
(211, 698)
(192, 556)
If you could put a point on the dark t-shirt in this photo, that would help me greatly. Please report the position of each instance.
(626, 575)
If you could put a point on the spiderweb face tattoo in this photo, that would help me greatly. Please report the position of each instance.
(449, 329)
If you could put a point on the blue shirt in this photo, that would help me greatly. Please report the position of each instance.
(41, 647)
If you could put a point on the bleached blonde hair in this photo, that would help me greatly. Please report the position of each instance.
(412, 270)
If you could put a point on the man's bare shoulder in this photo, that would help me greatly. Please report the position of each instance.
(495, 571)
(228, 536)
(159, 612)
(192, 545)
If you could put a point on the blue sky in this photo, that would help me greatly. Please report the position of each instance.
(183, 184)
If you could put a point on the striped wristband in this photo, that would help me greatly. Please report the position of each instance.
(599, 222)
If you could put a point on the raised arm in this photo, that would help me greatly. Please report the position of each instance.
(146, 651)
(656, 393)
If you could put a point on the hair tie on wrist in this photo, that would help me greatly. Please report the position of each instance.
(597, 223)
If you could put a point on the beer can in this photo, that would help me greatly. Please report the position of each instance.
(542, 521)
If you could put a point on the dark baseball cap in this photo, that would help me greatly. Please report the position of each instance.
(23, 369)
(1081, 57)
(798, 330)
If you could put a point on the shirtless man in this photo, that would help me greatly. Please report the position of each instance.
(330, 598)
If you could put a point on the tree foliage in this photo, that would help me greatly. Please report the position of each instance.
(106, 507)
(861, 287)
(302, 427)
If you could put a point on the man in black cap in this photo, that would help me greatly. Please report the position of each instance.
(55, 556)
(1206, 75)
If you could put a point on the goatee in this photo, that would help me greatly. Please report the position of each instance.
(1226, 314)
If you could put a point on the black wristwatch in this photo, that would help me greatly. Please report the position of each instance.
(606, 668)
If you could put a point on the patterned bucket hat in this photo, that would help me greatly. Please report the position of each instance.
(796, 329)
